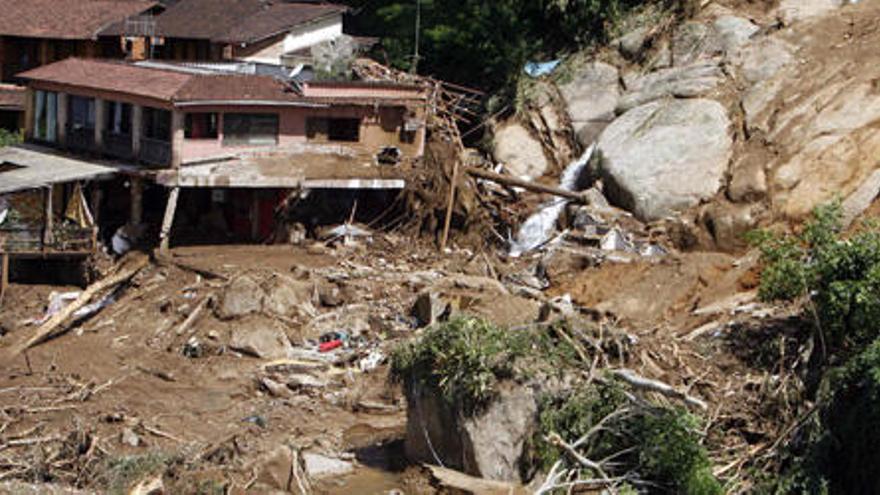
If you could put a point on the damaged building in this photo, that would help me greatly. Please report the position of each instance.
(210, 149)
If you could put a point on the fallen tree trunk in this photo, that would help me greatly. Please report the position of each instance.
(642, 383)
(508, 180)
(122, 274)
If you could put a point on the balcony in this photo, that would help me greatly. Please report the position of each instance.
(65, 239)
(117, 145)
(155, 152)
(81, 139)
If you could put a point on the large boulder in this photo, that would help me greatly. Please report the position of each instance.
(519, 151)
(665, 156)
(491, 444)
(243, 296)
(683, 82)
(734, 31)
(591, 97)
(288, 297)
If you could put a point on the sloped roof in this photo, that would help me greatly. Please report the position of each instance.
(35, 167)
(234, 21)
(65, 19)
(183, 84)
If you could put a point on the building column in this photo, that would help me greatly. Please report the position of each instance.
(137, 200)
(168, 220)
(48, 216)
(137, 125)
(177, 135)
(29, 113)
(100, 123)
(62, 119)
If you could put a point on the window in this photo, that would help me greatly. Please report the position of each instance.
(82, 113)
(255, 129)
(118, 117)
(157, 124)
(45, 116)
(326, 129)
(200, 126)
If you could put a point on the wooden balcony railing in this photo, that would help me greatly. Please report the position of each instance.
(155, 152)
(65, 239)
(81, 139)
(117, 145)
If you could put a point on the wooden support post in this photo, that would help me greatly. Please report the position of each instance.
(449, 205)
(137, 201)
(4, 277)
(62, 117)
(168, 221)
(100, 123)
(137, 125)
(177, 138)
(97, 196)
(48, 217)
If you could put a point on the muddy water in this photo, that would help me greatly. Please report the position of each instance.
(381, 463)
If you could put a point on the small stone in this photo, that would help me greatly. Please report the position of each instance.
(130, 438)
(274, 388)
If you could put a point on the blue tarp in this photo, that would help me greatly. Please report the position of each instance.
(538, 69)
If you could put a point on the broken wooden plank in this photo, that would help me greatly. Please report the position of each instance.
(168, 220)
(457, 480)
(508, 180)
(122, 274)
(449, 206)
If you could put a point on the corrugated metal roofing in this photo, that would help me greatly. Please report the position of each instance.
(34, 167)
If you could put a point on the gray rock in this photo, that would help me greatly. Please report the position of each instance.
(695, 42)
(260, 338)
(300, 381)
(633, 43)
(734, 32)
(243, 296)
(320, 466)
(429, 308)
(491, 445)
(288, 297)
(762, 58)
(519, 151)
(683, 82)
(665, 156)
(591, 97)
(130, 438)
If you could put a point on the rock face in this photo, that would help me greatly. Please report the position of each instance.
(490, 445)
(665, 156)
(519, 151)
(591, 98)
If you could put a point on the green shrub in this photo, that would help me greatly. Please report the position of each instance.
(841, 277)
(661, 445)
(465, 358)
(119, 474)
(8, 138)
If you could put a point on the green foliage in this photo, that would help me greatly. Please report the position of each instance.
(662, 446)
(9, 138)
(840, 276)
(485, 44)
(465, 358)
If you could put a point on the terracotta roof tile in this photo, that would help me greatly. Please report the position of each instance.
(234, 21)
(65, 19)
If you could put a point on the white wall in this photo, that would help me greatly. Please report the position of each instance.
(313, 33)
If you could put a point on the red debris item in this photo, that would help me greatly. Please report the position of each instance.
(329, 346)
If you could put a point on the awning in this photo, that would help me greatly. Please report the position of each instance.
(26, 167)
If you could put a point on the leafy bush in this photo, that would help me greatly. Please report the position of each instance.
(659, 446)
(119, 474)
(465, 358)
(841, 277)
(8, 138)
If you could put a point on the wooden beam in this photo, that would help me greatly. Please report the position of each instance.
(508, 180)
(168, 221)
(4, 277)
(449, 205)
(48, 214)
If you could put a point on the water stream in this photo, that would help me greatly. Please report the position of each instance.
(538, 228)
